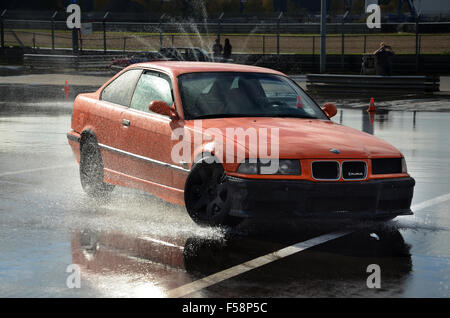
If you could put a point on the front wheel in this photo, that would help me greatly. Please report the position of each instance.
(207, 197)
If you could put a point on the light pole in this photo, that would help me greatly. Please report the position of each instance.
(75, 31)
(323, 35)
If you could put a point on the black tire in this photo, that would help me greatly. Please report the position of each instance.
(207, 197)
(91, 171)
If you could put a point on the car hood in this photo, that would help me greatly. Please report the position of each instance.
(306, 138)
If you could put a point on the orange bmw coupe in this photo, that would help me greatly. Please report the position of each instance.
(231, 142)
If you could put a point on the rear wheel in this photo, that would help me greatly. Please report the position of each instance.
(91, 170)
(207, 197)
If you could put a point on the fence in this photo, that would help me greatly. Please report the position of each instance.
(242, 43)
(248, 38)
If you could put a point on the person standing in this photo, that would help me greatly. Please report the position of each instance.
(227, 49)
(383, 57)
(217, 48)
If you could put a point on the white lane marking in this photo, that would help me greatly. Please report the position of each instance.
(266, 259)
(428, 203)
(35, 170)
(252, 264)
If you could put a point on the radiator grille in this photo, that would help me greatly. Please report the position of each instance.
(354, 170)
(325, 170)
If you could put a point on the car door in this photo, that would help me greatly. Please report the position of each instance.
(148, 140)
(106, 117)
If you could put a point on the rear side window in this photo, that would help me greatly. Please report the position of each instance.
(121, 89)
(151, 86)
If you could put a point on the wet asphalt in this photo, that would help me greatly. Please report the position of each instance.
(135, 245)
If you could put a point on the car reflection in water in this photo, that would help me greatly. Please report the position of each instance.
(340, 265)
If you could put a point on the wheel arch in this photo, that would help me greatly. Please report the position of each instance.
(206, 157)
(87, 134)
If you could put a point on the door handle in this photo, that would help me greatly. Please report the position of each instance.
(125, 122)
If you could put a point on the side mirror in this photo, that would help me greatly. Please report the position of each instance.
(162, 108)
(330, 109)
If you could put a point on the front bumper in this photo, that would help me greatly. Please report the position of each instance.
(372, 199)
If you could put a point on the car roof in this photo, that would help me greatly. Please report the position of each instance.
(183, 67)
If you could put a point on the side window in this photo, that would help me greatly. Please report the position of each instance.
(151, 86)
(121, 89)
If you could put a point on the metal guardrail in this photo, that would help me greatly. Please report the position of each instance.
(287, 63)
(81, 62)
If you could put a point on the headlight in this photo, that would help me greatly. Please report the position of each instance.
(404, 167)
(270, 166)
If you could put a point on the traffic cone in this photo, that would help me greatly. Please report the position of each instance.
(66, 89)
(371, 117)
(299, 102)
(371, 108)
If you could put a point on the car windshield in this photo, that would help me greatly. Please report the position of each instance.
(239, 94)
